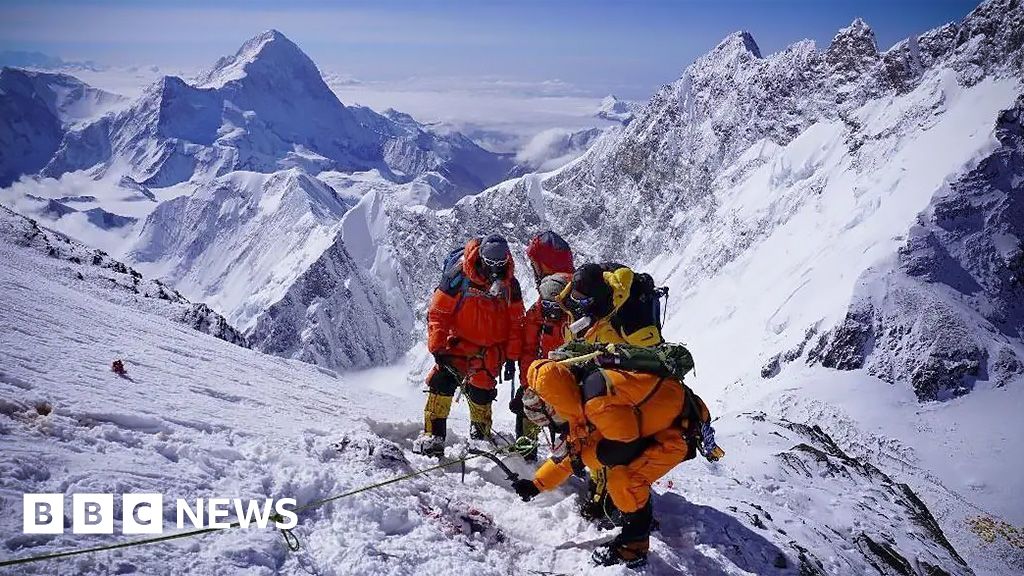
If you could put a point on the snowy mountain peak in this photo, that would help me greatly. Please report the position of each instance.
(36, 110)
(269, 52)
(858, 25)
(67, 97)
(616, 110)
(853, 50)
(738, 42)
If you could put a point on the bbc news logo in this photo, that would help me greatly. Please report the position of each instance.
(144, 513)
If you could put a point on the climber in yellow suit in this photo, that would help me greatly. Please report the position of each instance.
(628, 428)
(610, 303)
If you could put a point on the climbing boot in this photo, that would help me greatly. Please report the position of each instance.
(630, 547)
(632, 554)
(428, 445)
(435, 425)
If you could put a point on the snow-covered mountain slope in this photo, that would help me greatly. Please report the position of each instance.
(948, 311)
(760, 189)
(72, 101)
(239, 241)
(335, 314)
(265, 109)
(36, 108)
(191, 420)
(264, 249)
(29, 248)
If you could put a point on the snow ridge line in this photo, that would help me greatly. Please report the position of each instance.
(520, 446)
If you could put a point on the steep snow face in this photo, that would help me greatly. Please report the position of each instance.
(949, 311)
(28, 246)
(240, 241)
(36, 108)
(336, 315)
(264, 109)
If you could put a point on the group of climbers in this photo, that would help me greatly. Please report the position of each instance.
(594, 372)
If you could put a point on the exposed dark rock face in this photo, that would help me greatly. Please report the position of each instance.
(951, 312)
(333, 316)
(898, 534)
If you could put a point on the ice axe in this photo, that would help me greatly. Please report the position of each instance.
(522, 445)
(512, 476)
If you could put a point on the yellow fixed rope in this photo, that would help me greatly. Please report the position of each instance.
(581, 359)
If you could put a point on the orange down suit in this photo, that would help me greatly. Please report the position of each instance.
(630, 422)
(476, 331)
(540, 336)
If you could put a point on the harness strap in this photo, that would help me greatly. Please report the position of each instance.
(636, 407)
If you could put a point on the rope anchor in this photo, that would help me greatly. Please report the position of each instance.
(290, 539)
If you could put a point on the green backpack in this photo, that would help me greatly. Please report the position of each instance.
(665, 359)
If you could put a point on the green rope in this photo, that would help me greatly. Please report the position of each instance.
(113, 546)
(290, 539)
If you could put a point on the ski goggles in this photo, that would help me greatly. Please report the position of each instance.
(496, 267)
(578, 304)
(493, 263)
(579, 300)
(551, 309)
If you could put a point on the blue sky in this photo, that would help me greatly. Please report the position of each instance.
(598, 46)
(506, 73)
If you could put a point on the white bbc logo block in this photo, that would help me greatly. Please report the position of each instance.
(43, 514)
(142, 514)
(92, 513)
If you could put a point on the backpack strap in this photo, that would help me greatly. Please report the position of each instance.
(691, 433)
(454, 281)
(463, 289)
(636, 407)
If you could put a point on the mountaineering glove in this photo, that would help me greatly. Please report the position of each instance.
(708, 444)
(526, 489)
(515, 405)
(510, 370)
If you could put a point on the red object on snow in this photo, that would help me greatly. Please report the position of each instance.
(118, 368)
